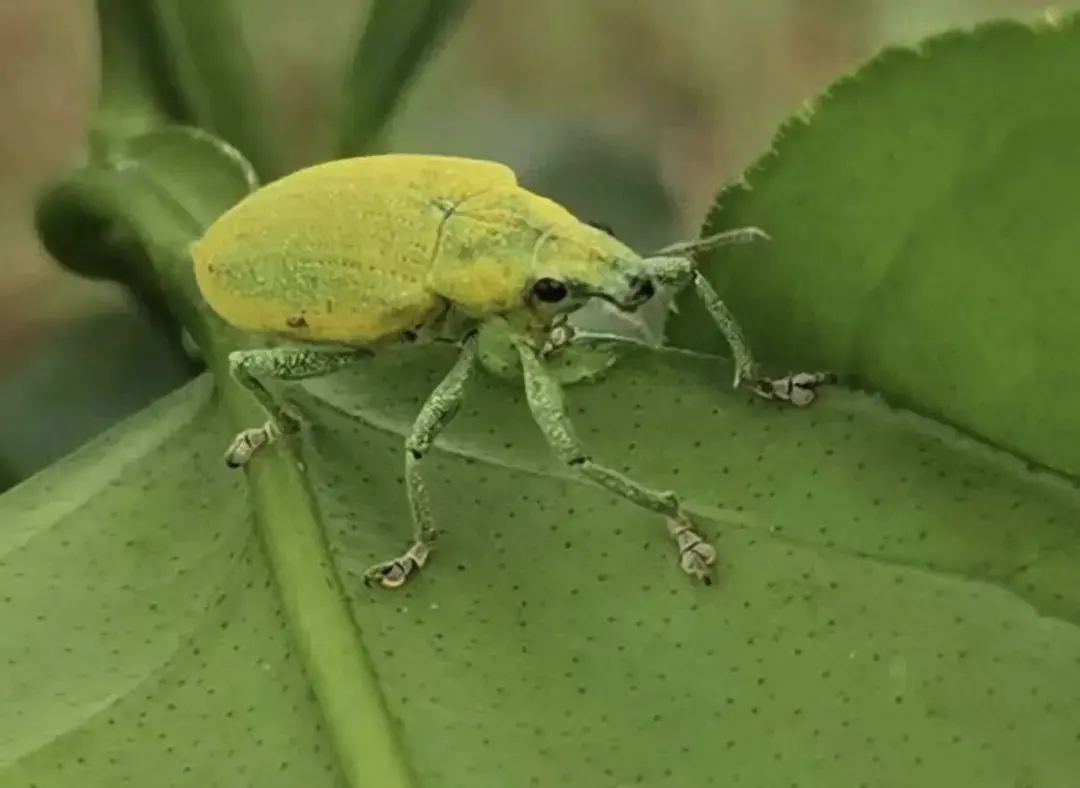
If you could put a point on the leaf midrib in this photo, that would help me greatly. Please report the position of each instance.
(327, 636)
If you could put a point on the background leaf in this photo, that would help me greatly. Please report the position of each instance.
(95, 389)
(924, 236)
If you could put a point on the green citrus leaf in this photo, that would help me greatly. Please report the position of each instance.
(924, 236)
(894, 600)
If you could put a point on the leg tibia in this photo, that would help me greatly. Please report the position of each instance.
(439, 409)
(696, 556)
(798, 388)
(292, 363)
(745, 368)
(247, 366)
(548, 407)
(665, 503)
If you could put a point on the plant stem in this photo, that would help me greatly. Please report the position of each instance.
(399, 38)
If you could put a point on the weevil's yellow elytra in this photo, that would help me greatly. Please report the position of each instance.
(338, 252)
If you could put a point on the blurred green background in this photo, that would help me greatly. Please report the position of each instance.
(630, 112)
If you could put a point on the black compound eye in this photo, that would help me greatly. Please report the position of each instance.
(642, 288)
(602, 228)
(549, 291)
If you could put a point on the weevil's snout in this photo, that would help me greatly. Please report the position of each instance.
(642, 288)
(637, 291)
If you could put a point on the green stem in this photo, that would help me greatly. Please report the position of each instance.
(135, 93)
(211, 68)
(338, 666)
(180, 62)
(398, 39)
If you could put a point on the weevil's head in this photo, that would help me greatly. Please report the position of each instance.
(583, 262)
(575, 264)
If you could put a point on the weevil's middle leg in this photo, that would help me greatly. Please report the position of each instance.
(545, 396)
(247, 366)
(439, 409)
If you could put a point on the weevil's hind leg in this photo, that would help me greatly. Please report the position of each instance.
(247, 366)
(545, 396)
(798, 388)
(439, 409)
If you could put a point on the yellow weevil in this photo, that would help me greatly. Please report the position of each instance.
(359, 255)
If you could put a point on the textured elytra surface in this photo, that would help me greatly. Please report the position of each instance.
(924, 237)
(358, 250)
(344, 248)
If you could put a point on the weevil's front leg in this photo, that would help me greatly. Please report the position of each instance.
(247, 366)
(441, 406)
(678, 272)
(545, 396)
(745, 366)
(565, 335)
(796, 388)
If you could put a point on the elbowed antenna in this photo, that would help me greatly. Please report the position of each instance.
(740, 235)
